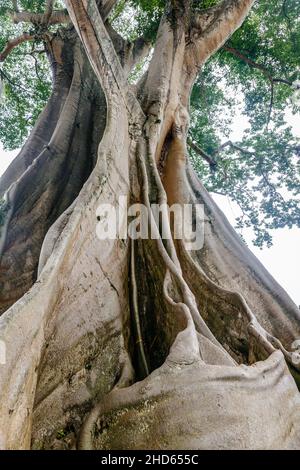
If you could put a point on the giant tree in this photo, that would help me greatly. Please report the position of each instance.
(142, 343)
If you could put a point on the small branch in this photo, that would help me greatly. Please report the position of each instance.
(271, 104)
(15, 6)
(255, 65)
(248, 61)
(49, 6)
(213, 26)
(36, 66)
(272, 187)
(285, 12)
(282, 80)
(14, 43)
(9, 80)
(210, 159)
(212, 163)
(263, 69)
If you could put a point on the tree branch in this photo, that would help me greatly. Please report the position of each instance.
(14, 43)
(130, 53)
(105, 7)
(102, 54)
(271, 104)
(229, 143)
(138, 50)
(52, 17)
(48, 10)
(263, 69)
(255, 65)
(212, 27)
(14, 84)
(212, 163)
(49, 6)
(15, 6)
(56, 17)
(210, 159)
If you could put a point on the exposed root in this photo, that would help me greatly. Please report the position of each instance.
(85, 439)
(268, 342)
(135, 308)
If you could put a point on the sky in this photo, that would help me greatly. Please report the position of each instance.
(283, 259)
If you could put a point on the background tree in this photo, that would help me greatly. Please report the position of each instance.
(113, 335)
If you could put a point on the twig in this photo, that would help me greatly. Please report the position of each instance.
(266, 72)
(6, 77)
(212, 163)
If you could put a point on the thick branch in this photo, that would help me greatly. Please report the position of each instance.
(214, 26)
(105, 7)
(130, 53)
(14, 43)
(48, 10)
(138, 50)
(101, 52)
(56, 17)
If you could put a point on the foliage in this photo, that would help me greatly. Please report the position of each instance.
(265, 181)
(136, 18)
(26, 78)
(263, 176)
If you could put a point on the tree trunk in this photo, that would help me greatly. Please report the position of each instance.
(115, 335)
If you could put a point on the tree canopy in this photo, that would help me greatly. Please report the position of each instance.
(255, 75)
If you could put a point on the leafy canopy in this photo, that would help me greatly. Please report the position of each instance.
(252, 79)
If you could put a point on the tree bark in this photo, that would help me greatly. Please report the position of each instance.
(58, 157)
(117, 333)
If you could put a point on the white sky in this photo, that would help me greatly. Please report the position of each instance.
(282, 259)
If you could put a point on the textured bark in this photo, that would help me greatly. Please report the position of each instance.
(116, 335)
(60, 154)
